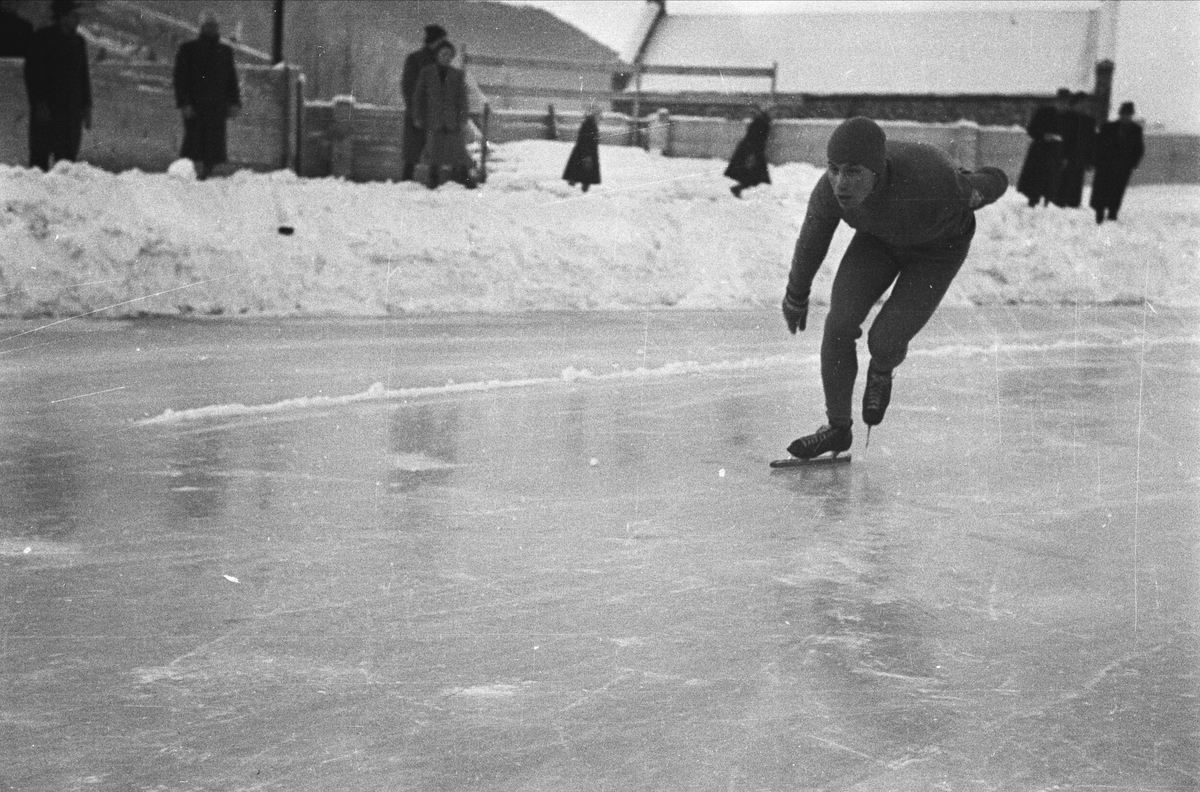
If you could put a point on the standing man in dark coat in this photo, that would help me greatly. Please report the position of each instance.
(414, 136)
(1119, 150)
(748, 165)
(59, 88)
(15, 31)
(1078, 129)
(206, 93)
(1043, 159)
(583, 164)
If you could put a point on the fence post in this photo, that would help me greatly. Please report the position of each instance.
(658, 135)
(298, 132)
(551, 124)
(483, 149)
(343, 136)
(637, 104)
(964, 146)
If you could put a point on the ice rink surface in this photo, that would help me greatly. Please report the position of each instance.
(544, 552)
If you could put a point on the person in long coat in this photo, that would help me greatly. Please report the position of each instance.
(207, 94)
(414, 138)
(748, 165)
(1119, 149)
(583, 164)
(440, 102)
(59, 88)
(1077, 126)
(1038, 180)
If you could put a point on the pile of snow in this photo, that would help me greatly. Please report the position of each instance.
(659, 232)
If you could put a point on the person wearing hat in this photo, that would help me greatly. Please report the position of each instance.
(1039, 177)
(1078, 129)
(1119, 149)
(913, 213)
(58, 86)
(207, 94)
(414, 137)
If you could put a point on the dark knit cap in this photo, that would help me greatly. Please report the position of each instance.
(433, 33)
(858, 141)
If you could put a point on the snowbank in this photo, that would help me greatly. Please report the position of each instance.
(658, 233)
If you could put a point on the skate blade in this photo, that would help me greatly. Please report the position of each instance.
(818, 461)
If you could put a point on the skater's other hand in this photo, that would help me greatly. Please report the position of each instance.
(795, 313)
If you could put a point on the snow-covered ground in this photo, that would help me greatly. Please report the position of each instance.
(658, 233)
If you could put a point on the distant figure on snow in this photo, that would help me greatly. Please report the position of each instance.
(414, 137)
(1077, 126)
(913, 213)
(440, 100)
(15, 31)
(59, 87)
(1119, 150)
(583, 165)
(1044, 157)
(748, 165)
(207, 94)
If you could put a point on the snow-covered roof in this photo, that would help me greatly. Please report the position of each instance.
(1011, 50)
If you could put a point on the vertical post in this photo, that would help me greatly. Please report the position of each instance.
(774, 79)
(285, 118)
(277, 37)
(551, 123)
(637, 104)
(342, 136)
(483, 149)
(298, 147)
(1102, 92)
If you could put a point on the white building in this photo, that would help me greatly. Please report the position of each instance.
(947, 47)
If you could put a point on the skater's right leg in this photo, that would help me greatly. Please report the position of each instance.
(866, 271)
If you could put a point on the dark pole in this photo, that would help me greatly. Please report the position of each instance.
(277, 42)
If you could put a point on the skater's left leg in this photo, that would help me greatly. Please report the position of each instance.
(864, 274)
(925, 277)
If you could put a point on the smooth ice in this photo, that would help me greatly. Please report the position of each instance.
(545, 552)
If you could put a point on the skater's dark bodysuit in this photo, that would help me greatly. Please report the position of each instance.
(913, 214)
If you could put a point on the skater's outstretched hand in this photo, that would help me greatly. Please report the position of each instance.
(795, 313)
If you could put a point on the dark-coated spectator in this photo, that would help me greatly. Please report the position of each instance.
(440, 101)
(748, 165)
(1044, 157)
(1077, 126)
(414, 136)
(59, 87)
(1119, 149)
(583, 165)
(207, 95)
(15, 31)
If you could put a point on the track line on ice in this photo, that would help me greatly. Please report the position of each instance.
(379, 392)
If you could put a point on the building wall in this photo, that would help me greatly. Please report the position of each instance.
(135, 123)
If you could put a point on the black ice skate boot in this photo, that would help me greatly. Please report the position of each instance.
(827, 439)
(876, 394)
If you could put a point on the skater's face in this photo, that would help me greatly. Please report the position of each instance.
(851, 183)
(445, 56)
